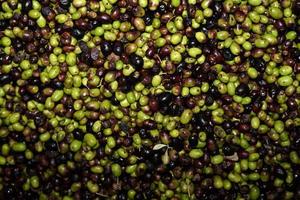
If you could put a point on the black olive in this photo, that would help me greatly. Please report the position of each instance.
(15, 74)
(122, 196)
(124, 127)
(273, 90)
(167, 177)
(33, 59)
(83, 46)
(47, 188)
(180, 67)
(148, 18)
(296, 8)
(57, 84)
(218, 7)
(139, 196)
(247, 108)
(146, 153)
(148, 176)
(242, 90)
(20, 159)
(187, 21)
(174, 109)
(162, 8)
(214, 92)
(65, 4)
(40, 119)
(114, 100)
(26, 5)
(35, 81)
(125, 88)
(106, 48)
(165, 98)
(177, 143)
(258, 63)
(17, 136)
(51, 145)
(211, 76)
(136, 61)
(296, 54)
(3, 24)
(227, 150)
(193, 141)
(280, 172)
(156, 158)
(31, 195)
(228, 55)
(77, 33)
(210, 23)
(118, 48)
(212, 196)
(9, 191)
(143, 133)
(89, 126)
(209, 100)
(4, 79)
(199, 120)
(5, 59)
(18, 45)
(244, 189)
(172, 165)
(193, 42)
(62, 158)
(46, 11)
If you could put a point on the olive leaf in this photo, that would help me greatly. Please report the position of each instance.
(233, 157)
(159, 146)
(165, 158)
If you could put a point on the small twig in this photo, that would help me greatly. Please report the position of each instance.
(102, 195)
(157, 56)
(57, 145)
(189, 193)
(100, 84)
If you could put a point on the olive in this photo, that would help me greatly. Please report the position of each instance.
(106, 48)
(3, 24)
(51, 145)
(257, 63)
(149, 99)
(136, 60)
(4, 79)
(148, 18)
(193, 43)
(227, 150)
(174, 109)
(26, 5)
(64, 3)
(228, 55)
(280, 172)
(242, 90)
(165, 99)
(118, 48)
(209, 100)
(162, 8)
(193, 141)
(77, 33)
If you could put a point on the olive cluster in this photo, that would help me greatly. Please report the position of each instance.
(149, 99)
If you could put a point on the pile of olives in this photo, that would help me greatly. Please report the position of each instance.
(149, 99)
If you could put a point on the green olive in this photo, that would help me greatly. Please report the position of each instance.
(90, 139)
(196, 153)
(116, 169)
